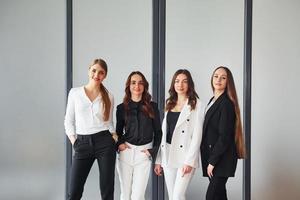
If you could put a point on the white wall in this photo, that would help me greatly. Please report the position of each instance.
(275, 97)
(200, 36)
(32, 79)
(120, 32)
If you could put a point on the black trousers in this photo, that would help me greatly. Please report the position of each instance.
(88, 148)
(217, 188)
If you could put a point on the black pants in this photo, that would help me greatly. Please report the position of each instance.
(217, 188)
(88, 148)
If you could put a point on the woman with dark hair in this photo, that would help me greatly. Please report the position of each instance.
(222, 140)
(89, 126)
(139, 135)
(179, 150)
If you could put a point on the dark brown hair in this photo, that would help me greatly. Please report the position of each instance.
(146, 97)
(103, 90)
(231, 92)
(191, 93)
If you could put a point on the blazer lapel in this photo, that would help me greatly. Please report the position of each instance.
(164, 128)
(211, 111)
(185, 112)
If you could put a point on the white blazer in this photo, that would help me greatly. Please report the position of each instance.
(186, 139)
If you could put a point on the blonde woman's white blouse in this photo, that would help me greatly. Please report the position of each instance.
(85, 117)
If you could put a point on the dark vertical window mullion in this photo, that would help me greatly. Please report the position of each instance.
(155, 49)
(158, 76)
(155, 85)
(161, 76)
(69, 84)
(247, 97)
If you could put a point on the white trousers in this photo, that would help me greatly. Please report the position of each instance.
(176, 184)
(133, 167)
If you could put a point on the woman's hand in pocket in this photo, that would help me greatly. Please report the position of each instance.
(123, 146)
(115, 137)
(72, 139)
(146, 152)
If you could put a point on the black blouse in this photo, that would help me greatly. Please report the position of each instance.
(172, 118)
(137, 128)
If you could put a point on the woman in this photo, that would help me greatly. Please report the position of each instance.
(89, 126)
(182, 125)
(222, 141)
(139, 133)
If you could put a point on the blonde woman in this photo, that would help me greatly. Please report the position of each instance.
(89, 126)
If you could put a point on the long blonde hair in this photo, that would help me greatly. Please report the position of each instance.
(231, 92)
(103, 90)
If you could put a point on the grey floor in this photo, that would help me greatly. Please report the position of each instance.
(47, 184)
(36, 184)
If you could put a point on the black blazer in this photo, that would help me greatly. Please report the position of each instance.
(218, 145)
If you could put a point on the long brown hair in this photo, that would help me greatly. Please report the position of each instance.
(231, 92)
(103, 91)
(146, 97)
(191, 93)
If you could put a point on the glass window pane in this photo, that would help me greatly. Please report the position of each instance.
(201, 35)
(275, 100)
(120, 32)
(32, 76)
